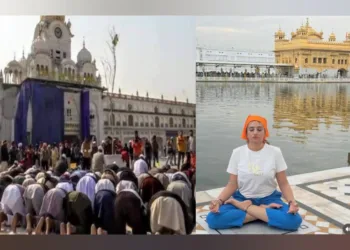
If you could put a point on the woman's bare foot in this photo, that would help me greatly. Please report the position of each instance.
(3, 217)
(99, 231)
(63, 229)
(48, 225)
(93, 229)
(16, 219)
(29, 228)
(243, 205)
(39, 226)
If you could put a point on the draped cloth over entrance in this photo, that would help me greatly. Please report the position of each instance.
(47, 112)
(85, 114)
(22, 113)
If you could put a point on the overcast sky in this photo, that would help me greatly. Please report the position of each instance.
(154, 54)
(257, 33)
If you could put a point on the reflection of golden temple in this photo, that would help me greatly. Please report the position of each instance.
(304, 110)
(310, 54)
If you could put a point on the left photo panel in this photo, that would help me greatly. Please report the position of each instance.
(97, 125)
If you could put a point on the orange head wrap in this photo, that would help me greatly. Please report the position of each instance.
(252, 118)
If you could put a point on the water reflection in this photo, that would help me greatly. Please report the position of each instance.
(310, 122)
(304, 108)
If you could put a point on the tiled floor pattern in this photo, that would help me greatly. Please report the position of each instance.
(338, 189)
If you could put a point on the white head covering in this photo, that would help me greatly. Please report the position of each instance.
(67, 186)
(104, 184)
(28, 181)
(163, 179)
(87, 185)
(182, 190)
(125, 185)
(184, 177)
(161, 208)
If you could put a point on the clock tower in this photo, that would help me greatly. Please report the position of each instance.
(56, 33)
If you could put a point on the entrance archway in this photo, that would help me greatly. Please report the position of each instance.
(342, 73)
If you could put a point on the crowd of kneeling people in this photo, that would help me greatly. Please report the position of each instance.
(74, 201)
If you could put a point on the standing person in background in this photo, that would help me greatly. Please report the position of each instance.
(76, 154)
(108, 147)
(98, 160)
(45, 157)
(171, 153)
(67, 151)
(131, 152)
(54, 155)
(155, 150)
(5, 157)
(181, 148)
(86, 149)
(13, 153)
(174, 145)
(125, 155)
(137, 146)
(192, 143)
(21, 152)
(94, 148)
(148, 152)
(29, 157)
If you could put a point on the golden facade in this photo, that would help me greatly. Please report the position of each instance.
(307, 49)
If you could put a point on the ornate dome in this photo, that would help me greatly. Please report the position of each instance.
(39, 46)
(332, 37)
(14, 64)
(68, 61)
(279, 34)
(84, 56)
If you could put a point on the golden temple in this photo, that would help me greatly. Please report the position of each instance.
(310, 54)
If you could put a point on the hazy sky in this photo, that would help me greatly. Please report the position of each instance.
(257, 32)
(154, 54)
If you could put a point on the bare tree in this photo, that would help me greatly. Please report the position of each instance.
(110, 65)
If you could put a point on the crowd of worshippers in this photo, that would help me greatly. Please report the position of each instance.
(88, 154)
(114, 201)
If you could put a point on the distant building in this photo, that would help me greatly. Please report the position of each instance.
(234, 56)
(49, 64)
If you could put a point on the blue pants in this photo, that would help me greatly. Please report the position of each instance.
(229, 216)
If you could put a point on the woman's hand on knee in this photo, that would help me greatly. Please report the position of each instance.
(214, 206)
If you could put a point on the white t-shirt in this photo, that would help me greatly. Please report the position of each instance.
(140, 167)
(256, 170)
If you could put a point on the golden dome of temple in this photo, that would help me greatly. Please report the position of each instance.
(332, 37)
(279, 35)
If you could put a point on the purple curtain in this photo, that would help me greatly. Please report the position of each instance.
(48, 114)
(85, 114)
(22, 112)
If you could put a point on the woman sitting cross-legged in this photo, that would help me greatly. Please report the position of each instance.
(251, 191)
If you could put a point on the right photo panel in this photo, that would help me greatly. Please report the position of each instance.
(273, 142)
